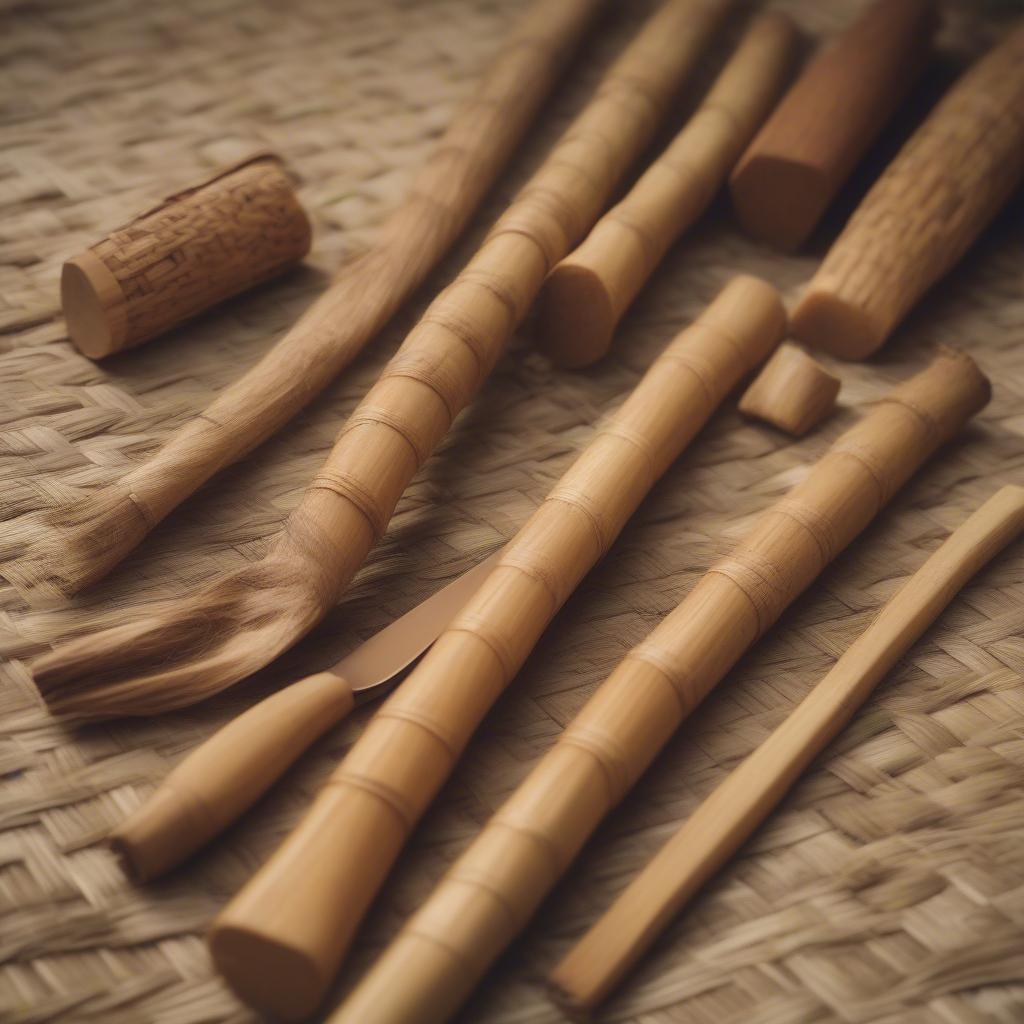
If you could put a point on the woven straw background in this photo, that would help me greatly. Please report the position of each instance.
(889, 887)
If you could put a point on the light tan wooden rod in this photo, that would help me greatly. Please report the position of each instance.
(280, 941)
(720, 825)
(364, 296)
(928, 206)
(587, 294)
(495, 886)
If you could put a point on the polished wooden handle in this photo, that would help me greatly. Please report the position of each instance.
(587, 294)
(280, 940)
(942, 188)
(720, 825)
(495, 885)
(225, 776)
(824, 124)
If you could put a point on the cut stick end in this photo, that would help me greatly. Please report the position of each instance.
(826, 321)
(778, 200)
(576, 319)
(268, 975)
(93, 305)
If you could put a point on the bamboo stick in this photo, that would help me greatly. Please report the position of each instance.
(720, 825)
(185, 650)
(929, 205)
(494, 887)
(792, 392)
(825, 123)
(196, 248)
(281, 940)
(587, 294)
(61, 550)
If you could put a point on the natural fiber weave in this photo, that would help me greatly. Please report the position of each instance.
(887, 888)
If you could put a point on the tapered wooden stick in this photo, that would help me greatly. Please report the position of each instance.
(185, 650)
(55, 553)
(279, 953)
(494, 887)
(720, 825)
(825, 123)
(586, 295)
(942, 188)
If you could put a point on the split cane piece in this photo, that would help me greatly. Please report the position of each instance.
(589, 291)
(198, 247)
(181, 651)
(281, 940)
(929, 205)
(792, 392)
(491, 891)
(721, 824)
(55, 553)
(828, 119)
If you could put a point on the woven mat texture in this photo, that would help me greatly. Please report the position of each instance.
(889, 886)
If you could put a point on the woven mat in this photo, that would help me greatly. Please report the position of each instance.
(889, 887)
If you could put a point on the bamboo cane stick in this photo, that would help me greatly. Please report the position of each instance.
(825, 123)
(59, 551)
(587, 294)
(929, 205)
(720, 825)
(280, 954)
(494, 887)
(187, 649)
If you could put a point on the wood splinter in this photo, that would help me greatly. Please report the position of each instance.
(792, 392)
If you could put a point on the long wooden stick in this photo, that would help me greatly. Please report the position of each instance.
(494, 887)
(190, 648)
(64, 549)
(586, 295)
(933, 200)
(280, 955)
(720, 825)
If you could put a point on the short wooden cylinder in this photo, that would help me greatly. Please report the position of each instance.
(195, 249)
(792, 392)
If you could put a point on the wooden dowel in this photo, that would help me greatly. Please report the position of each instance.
(929, 205)
(495, 886)
(196, 248)
(280, 941)
(792, 391)
(66, 548)
(825, 123)
(587, 294)
(164, 661)
(720, 825)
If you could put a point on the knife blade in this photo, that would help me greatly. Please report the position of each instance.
(224, 776)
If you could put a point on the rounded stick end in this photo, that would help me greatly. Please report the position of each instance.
(266, 974)
(159, 836)
(778, 200)
(576, 320)
(828, 322)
